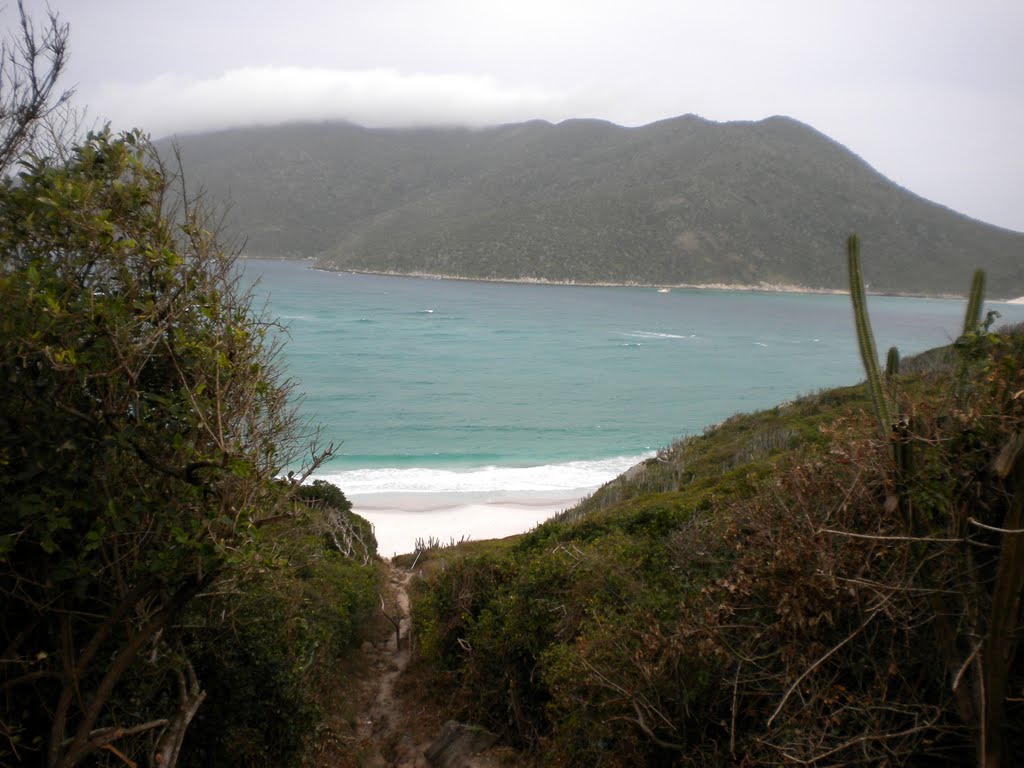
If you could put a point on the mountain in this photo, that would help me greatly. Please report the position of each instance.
(680, 201)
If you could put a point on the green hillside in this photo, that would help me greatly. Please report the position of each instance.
(776, 591)
(681, 201)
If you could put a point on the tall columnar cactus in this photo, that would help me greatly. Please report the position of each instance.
(972, 317)
(892, 364)
(865, 339)
(972, 326)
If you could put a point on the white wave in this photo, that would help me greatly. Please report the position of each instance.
(760, 344)
(655, 335)
(571, 476)
(427, 311)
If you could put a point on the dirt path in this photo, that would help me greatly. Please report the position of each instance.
(384, 728)
(390, 723)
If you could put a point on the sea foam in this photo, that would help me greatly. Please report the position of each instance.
(657, 335)
(570, 476)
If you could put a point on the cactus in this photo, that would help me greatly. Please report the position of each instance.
(972, 317)
(892, 364)
(865, 339)
(971, 341)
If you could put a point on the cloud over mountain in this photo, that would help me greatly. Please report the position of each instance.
(379, 98)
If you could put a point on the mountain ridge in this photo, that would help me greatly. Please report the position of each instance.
(682, 201)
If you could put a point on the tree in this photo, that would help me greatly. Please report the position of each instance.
(30, 66)
(145, 417)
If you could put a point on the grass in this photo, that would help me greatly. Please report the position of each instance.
(436, 556)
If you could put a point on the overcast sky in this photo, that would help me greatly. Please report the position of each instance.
(930, 92)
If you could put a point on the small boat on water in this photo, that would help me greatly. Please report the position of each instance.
(663, 290)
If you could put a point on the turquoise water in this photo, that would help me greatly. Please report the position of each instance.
(458, 385)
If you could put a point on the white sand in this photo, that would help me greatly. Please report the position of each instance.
(400, 518)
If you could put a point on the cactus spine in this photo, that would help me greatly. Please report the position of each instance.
(865, 339)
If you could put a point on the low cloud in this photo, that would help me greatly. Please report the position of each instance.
(947, 142)
(271, 95)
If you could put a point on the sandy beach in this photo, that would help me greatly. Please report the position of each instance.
(400, 518)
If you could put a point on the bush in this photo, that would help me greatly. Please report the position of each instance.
(815, 613)
(144, 419)
(268, 651)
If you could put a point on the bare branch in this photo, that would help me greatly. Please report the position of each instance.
(814, 666)
(872, 537)
(30, 66)
(992, 528)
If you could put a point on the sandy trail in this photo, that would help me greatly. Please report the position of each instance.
(394, 728)
(383, 729)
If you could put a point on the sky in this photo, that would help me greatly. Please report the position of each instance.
(929, 92)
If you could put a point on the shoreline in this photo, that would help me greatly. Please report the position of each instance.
(400, 518)
(760, 287)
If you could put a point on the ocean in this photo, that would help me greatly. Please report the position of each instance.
(450, 386)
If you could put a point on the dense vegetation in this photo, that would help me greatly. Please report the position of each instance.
(834, 581)
(155, 574)
(270, 671)
(684, 200)
(779, 590)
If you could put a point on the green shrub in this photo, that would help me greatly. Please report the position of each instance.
(779, 611)
(265, 665)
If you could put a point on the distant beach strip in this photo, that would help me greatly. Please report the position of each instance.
(481, 503)
(399, 519)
